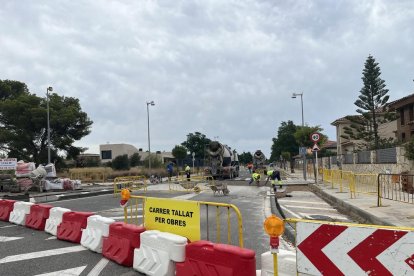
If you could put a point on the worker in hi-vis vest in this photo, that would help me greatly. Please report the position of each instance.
(273, 175)
(187, 172)
(255, 177)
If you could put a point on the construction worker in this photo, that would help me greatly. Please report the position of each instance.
(170, 169)
(273, 175)
(187, 172)
(256, 178)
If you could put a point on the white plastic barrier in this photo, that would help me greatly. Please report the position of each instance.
(20, 210)
(55, 218)
(162, 247)
(97, 228)
(286, 263)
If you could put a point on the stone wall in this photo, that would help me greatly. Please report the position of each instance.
(402, 165)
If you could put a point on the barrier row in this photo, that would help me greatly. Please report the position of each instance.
(195, 183)
(151, 252)
(217, 220)
(347, 181)
(132, 183)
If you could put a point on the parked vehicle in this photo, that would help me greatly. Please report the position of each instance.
(222, 162)
(259, 160)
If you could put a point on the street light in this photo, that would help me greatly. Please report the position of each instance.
(48, 123)
(294, 95)
(193, 154)
(149, 143)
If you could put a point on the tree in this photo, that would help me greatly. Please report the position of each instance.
(245, 157)
(179, 152)
(303, 133)
(23, 117)
(134, 159)
(156, 162)
(285, 141)
(196, 143)
(371, 105)
(409, 149)
(120, 162)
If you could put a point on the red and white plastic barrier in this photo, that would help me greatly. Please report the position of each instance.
(206, 258)
(158, 252)
(20, 211)
(6, 207)
(325, 249)
(97, 228)
(72, 225)
(55, 218)
(120, 244)
(286, 263)
(39, 213)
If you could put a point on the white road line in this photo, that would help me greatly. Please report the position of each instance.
(6, 239)
(98, 267)
(293, 213)
(40, 254)
(299, 201)
(328, 215)
(80, 198)
(307, 207)
(51, 238)
(67, 272)
(122, 217)
(8, 226)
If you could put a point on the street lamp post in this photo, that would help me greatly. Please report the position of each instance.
(48, 123)
(193, 154)
(149, 142)
(294, 95)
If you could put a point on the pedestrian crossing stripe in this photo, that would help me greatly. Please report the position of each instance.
(40, 254)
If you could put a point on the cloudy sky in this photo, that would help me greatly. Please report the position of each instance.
(225, 68)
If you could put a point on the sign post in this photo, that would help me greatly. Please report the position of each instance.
(193, 154)
(315, 137)
(274, 227)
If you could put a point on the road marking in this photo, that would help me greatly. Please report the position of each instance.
(307, 207)
(80, 198)
(67, 272)
(328, 215)
(98, 267)
(6, 239)
(122, 217)
(299, 201)
(293, 213)
(8, 226)
(51, 238)
(40, 254)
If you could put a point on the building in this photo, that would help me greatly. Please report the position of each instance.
(330, 146)
(108, 152)
(404, 108)
(344, 145)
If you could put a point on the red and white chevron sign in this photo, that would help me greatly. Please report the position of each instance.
(325, 249)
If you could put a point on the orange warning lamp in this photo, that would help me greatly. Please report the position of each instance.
(274, 226)
(125, 194)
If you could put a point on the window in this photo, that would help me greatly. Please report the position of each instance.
(411, 113)
(403, 137)
(106, 154)
(402, 117)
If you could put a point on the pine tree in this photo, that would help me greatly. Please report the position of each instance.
(371, 105)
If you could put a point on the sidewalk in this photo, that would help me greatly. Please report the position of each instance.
(363, 208)
(36, 197)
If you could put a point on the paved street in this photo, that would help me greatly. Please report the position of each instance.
(29, 252)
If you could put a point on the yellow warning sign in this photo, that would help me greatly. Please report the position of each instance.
(179, 217)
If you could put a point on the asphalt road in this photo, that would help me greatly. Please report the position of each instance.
(24, 251)
(29, 252)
